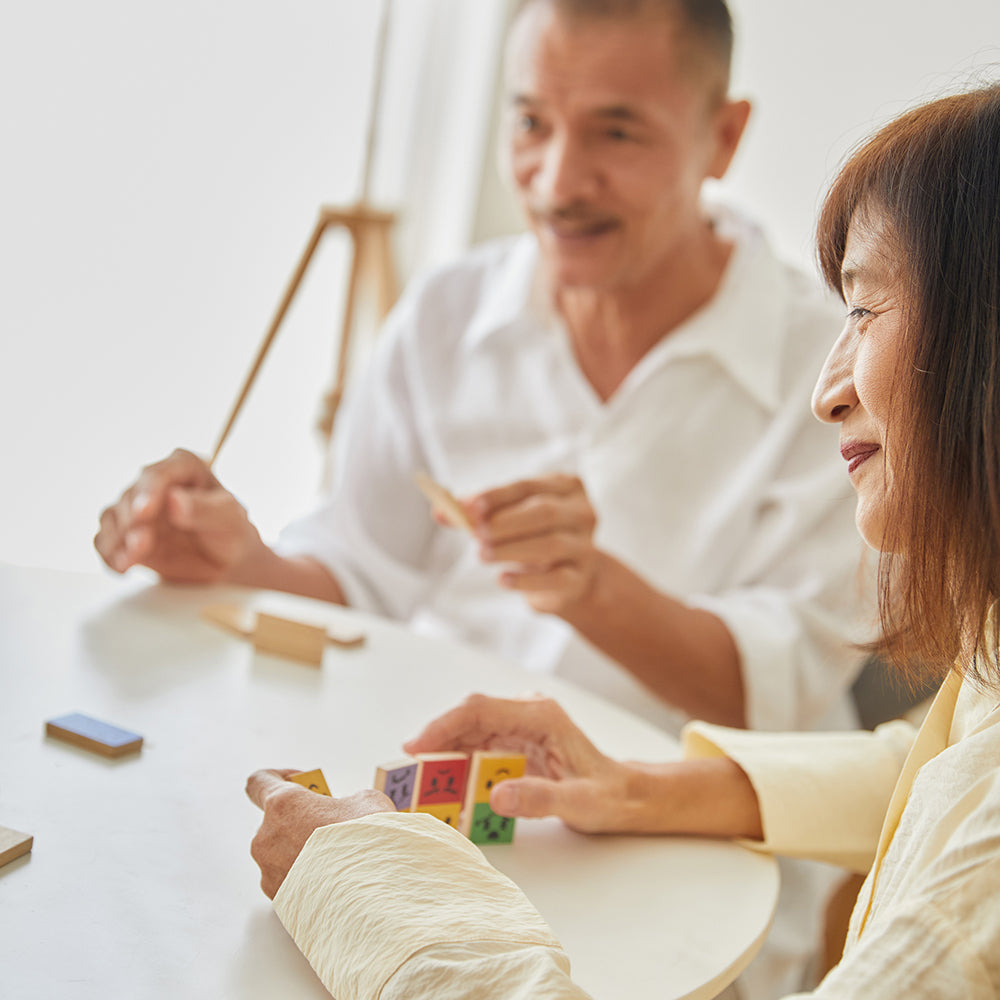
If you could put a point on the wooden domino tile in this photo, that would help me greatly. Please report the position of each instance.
(284, 637)
(400, 780)
(13, 844)
(313, 780)
(92, 734)
(443, 501)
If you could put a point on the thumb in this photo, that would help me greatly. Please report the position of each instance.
(261, 785)
(526, 797)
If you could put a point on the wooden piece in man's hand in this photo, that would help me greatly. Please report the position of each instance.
(441, 500)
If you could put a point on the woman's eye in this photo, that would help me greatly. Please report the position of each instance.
(859, 312)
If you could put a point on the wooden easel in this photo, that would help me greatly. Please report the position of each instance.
(372, 263)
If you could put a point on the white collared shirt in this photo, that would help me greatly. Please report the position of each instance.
(709, 475)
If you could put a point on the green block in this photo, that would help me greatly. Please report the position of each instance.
(489, 828)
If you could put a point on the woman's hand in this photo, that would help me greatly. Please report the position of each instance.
(291, 814)
(566, 775)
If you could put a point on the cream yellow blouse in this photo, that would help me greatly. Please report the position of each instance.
(400, 906)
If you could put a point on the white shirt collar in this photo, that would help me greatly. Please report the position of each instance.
(739, 328)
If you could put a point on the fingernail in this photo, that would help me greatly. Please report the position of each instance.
(141, 501)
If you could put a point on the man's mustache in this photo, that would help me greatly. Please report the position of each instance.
(575, 213)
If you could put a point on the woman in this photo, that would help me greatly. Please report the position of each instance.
(910, 237)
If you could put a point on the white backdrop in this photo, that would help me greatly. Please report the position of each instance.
(161, 171)
(162, 166)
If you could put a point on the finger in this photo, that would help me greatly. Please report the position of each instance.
(563, 578)
(110, 541)
(203, 510)
(490, 501)
(540, 552)
(150, 489)
(263, 784)
(479, 721)
(530, 797)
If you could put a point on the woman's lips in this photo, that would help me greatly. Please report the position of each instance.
(855, 453)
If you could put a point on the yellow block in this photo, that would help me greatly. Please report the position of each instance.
(448, 813)
(489, 768)
(313, 780)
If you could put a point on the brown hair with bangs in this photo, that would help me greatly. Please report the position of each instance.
(932, 177)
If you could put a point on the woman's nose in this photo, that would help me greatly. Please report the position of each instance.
(834, 396)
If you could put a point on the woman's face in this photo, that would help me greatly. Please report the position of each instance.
(856, 384)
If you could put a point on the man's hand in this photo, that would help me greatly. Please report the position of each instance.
(179, 520)
(566, 775)
(544, 530)
(291, 814)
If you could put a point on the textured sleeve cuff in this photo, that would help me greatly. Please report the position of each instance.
(822, 795)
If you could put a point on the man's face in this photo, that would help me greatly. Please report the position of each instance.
(609, 139)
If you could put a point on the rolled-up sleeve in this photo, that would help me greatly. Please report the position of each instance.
(400, 905)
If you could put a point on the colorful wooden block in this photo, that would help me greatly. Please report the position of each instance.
(448, 812)
(313, 780)
(442, 778)
(283, 637)
(486, 827)
(13, 844)
(400, 780)
(92, 734)
(443, 501)
(486, 769)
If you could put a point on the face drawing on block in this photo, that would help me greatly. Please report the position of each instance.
(492, 772)
(400, 786)
(443, 781)
(449, 813)
(489, 828)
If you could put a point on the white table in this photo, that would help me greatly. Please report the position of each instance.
(140, 883)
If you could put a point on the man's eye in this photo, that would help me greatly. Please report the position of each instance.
(527, 123)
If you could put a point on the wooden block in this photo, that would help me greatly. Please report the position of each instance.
(283, 637)
(313, 780)
(448, 812)
(486, 827)
(486, 769)
(92, 734)
(443, 501)
(13, 844)
(230, 617)
(442, 778)
(400, 780)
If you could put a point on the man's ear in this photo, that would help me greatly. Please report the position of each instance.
(729, 121)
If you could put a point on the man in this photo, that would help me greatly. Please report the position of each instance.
(635, 374)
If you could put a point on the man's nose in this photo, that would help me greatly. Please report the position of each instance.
(565, 174)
